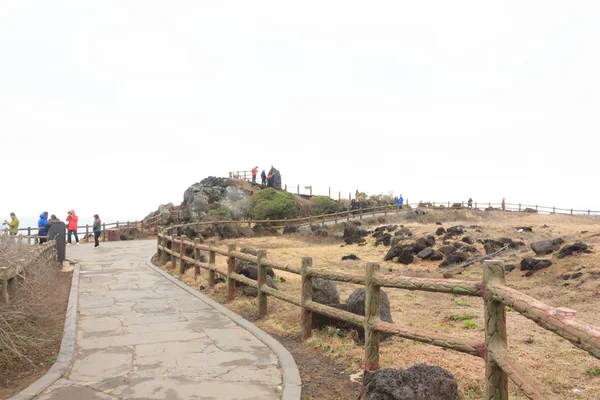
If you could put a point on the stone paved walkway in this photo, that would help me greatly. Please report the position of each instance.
(139, 336)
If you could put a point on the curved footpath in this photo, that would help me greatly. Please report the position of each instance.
(142, 334)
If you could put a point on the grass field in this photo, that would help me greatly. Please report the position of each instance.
(569, 372)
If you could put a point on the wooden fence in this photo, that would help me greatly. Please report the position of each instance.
(500, 364)
(45, 253)
(145, 226)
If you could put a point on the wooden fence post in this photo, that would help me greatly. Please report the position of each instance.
(262, 280)
(87, 233)
(306, 318)
(104, 232)
(182, 250)
(141, 228)
(571, 211)
(230, 270)
(159, 253)
(197, 257)
(372, 315)
(173, 247)
(495, 332)
(211, 264)
(519, 207)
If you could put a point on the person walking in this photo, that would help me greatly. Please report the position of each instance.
(43, 226)
(72, 221)
(254, 172)
(13, 224)
(263, 177)
(470, 203)
(400, 201)
(97, 228)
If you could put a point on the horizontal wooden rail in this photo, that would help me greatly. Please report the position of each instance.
(281, 267)
(337, 276)
(580, 334)
(529, 384)
(434, 338)
(431, 285)
(280, 295)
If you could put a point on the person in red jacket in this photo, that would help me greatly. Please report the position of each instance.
(254, 172)
(72, 221)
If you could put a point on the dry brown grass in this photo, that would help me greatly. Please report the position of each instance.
(554, 361)
(31, 324)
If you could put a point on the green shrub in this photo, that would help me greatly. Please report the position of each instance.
(272, 204)
(220, 212)
(594, 371)
(325, 205)
(461, 317)
(470, 325)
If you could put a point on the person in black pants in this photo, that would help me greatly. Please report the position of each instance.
(97, 228)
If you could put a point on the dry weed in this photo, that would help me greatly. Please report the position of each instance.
(27, 322)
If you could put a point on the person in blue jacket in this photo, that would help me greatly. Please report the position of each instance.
(43, 226)
(400, 201)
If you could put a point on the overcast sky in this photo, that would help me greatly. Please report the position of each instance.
(114, 107)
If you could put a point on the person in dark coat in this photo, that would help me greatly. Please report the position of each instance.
(97, 228)
(263, 176)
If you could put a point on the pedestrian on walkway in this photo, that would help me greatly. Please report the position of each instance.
(400, 201)
(97, 228)
(52, 220)
(470, 203)
(72, 221)
(13, 224)
(254, 172)
(43, 226)
(263, 177)
(503, 205)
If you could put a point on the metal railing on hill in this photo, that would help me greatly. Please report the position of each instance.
(500, 364)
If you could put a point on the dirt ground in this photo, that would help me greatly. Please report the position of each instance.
(35, 362)
(568, 371)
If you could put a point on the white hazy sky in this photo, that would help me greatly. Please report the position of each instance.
(116, 106)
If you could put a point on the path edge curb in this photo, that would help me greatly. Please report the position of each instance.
(292, 384)
(67, 346)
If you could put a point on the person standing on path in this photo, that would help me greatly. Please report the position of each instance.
(254, 172)
(72, 220)
(400, 201)
(43, 226)
(470, 203)
(503, 205)
(13, 225)
(263, 176)
(97, 228)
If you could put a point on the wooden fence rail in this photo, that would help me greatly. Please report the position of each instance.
(8, 273)
(500, 365)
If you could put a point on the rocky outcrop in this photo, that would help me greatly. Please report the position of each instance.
(547, 246)
(534, 264)
(325, 291)
(575, 248)
(356, 305)
(211, 193)
(419, 382)
(162, 215)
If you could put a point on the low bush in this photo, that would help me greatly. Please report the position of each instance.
(272, 204)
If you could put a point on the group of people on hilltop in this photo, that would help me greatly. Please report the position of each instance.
(266, 180)
(45, 223)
